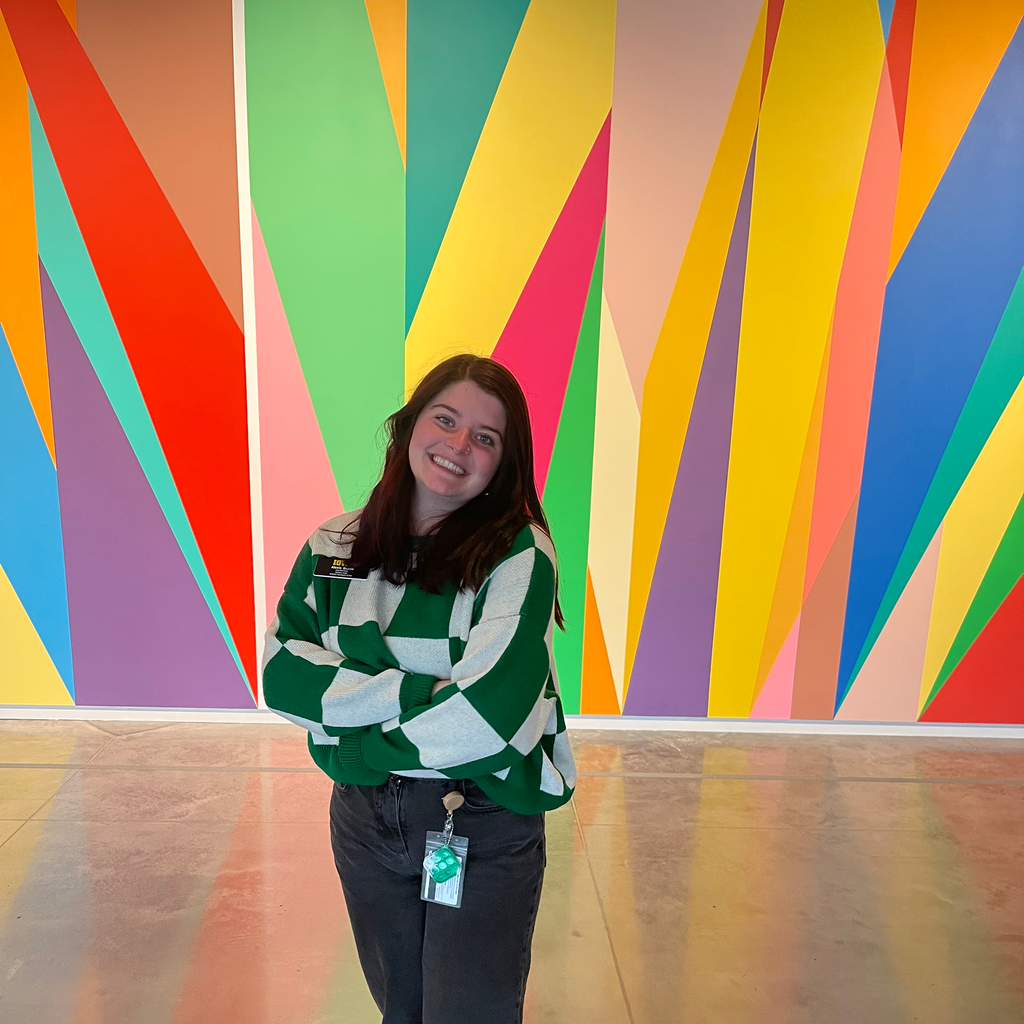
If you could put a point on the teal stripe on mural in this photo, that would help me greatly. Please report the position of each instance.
(568, 489)
(457, 52)
(328, 187)
(63, 252)
(1001, 371)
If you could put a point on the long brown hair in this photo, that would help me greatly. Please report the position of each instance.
(470, 541)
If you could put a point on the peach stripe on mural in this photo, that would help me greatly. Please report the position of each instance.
(299, 491)
(887, 687)
(676, 69)
(671, 383)
(169, 68)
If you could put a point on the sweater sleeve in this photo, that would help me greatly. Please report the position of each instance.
(497, 711)
(321, 689)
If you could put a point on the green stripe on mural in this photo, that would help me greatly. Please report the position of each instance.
(1000, 373)
(567, 492)
(67, 261)
(1000, 578)
(328, 189)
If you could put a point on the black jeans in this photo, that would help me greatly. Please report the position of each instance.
(426, 963)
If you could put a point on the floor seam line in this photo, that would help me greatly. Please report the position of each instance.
(604, 916)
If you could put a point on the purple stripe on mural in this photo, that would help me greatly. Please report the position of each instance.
(141, 632)
(673, 659)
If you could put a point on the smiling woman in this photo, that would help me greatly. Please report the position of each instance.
(413, 642)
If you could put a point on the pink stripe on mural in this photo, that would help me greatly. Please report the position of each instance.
(539, 340)
(858, 317)
(776, 697)
(298, 486)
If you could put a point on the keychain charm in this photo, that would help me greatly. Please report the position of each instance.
(442, 864)
(445, 859)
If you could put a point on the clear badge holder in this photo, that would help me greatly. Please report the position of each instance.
(444, 860)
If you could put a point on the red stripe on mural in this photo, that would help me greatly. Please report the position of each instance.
(988, 684)
(771, 34)
(897, 56)
(185, 347)
(538, 343)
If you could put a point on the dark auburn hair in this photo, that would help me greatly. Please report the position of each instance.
(464, 547)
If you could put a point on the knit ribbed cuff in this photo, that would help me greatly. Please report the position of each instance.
(415, 690)
(350, 755)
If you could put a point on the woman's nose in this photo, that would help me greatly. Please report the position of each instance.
(459, 441)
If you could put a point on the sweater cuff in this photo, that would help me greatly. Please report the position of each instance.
(415, 691)
(350, 755)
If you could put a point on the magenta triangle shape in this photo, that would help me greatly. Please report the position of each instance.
(141, 632)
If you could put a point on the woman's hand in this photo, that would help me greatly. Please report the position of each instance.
(440, 685)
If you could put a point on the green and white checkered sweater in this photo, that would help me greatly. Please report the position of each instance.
(354, 661)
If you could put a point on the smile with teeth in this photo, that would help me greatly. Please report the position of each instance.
(445, 464)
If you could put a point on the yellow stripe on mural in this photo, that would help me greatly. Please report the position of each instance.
(789, 584)
(21, 309)
(957, 48)
(972, 530)
(812, 138)
(553, 98)
(674, 370)
(616, 439)
(27, 673)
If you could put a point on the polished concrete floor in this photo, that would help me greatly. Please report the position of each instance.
(182, 874)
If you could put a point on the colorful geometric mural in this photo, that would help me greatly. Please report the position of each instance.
(759, 267)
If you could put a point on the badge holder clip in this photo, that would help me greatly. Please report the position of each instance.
(445, 860)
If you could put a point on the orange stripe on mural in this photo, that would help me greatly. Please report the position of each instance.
(674, 370)
(956, 50)
(184, 345)
(387, 23)
(21, 311)
(598, 688)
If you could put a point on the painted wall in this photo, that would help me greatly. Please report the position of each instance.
(758, 267)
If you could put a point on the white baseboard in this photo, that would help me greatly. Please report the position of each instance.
(258, 716)
(794, 728)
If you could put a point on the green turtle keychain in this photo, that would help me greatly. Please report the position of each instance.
(445, 859)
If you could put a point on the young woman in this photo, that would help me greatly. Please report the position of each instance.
(413, 641)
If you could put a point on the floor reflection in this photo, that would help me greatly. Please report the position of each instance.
(182, 874)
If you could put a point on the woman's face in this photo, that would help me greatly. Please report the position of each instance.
(456, 448)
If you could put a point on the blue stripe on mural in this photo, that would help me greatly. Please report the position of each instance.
(457, 52)
(942, 308)
(885, 9)
(993, 388)
(31, 549)
(67, 260)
